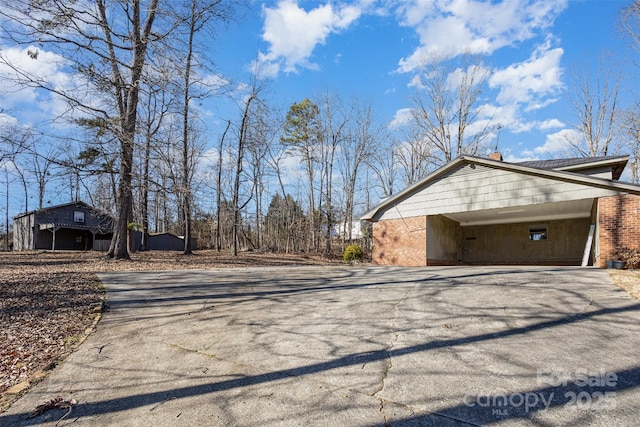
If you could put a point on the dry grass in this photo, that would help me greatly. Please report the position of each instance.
(50, 301)
(629, 280)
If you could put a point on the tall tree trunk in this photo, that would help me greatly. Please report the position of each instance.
(219, 189)
(236, 185)
(312, 207)
(186, 170)
(145, 195)
(125, 196)
(127, 106)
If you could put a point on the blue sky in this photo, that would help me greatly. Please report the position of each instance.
(372, 50)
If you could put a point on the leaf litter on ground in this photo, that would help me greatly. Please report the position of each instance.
(49, 300)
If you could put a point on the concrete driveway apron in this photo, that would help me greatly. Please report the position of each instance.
(353, 346)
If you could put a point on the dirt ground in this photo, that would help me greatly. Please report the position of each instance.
(49, 302)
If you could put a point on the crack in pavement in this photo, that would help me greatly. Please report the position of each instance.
(392, 343)
(263, 369)
(303, 377)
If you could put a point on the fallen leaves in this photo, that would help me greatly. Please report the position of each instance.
(55, 403)
(43, 310)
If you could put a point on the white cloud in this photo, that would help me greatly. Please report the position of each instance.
(512, 158)
(535, 82)
(450, 28)
(556, 144)
(293, 33)
(34, 64)
(214, 81)
(402, 117)
(474, 74)
(264, 67)
(7, 121)
(551, 124)
(24, 72)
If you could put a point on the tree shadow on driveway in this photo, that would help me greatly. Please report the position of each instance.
(429, 295)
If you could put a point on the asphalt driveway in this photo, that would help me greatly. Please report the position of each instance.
(363, 346)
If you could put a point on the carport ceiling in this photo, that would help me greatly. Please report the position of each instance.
(525, 213)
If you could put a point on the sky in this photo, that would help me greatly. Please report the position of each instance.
(374, 49)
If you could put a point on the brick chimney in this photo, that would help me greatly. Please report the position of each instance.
(495, 156)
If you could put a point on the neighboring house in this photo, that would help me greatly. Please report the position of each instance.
(486, 211)
(340, 230)
(71, 226)
(163, 242)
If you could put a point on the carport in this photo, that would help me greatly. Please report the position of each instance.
(548, 233)
(485, 211)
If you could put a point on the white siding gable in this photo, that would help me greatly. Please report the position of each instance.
(473, 187)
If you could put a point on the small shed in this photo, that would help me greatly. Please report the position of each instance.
(70, 226)
(162, 242)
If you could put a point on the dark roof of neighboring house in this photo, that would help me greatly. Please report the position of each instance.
(63, 205)
(617, 163)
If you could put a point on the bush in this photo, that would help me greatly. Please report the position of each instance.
(353, 253)
(631, 256)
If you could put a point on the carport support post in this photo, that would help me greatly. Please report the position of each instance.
(53, 242)
(587, 247)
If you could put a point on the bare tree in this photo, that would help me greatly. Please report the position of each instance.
(107, 44)
(195, 22)
(242, 143)
(414, 155)
(384, 164)
(276, 157)
(445, 107)
(43, 171)
(13, 140)
(200, 13)
(219, 188)
(334, 128)
(263, 131)
(630, 19)
(630, 118)
(303, 136)
(363, 141)
(595, 102)
(157, 101)
(630, 130)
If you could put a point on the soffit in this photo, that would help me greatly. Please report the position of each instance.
(525, 213)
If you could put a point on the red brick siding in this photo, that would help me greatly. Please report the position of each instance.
(400, 242)
(619, 224)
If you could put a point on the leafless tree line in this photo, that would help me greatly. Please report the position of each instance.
(284, 181)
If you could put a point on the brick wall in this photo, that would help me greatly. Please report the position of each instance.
(400, 242)
(619, 224)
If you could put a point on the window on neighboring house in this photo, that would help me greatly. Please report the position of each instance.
(78, 217)
(538, 233)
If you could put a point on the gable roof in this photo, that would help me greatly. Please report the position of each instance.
(63, 205)
(553, 174)
(617, 164)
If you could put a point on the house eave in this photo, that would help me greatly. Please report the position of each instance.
(559, 175)
(617, 165)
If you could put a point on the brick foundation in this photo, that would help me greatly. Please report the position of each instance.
(400, 242)
(618, 224)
